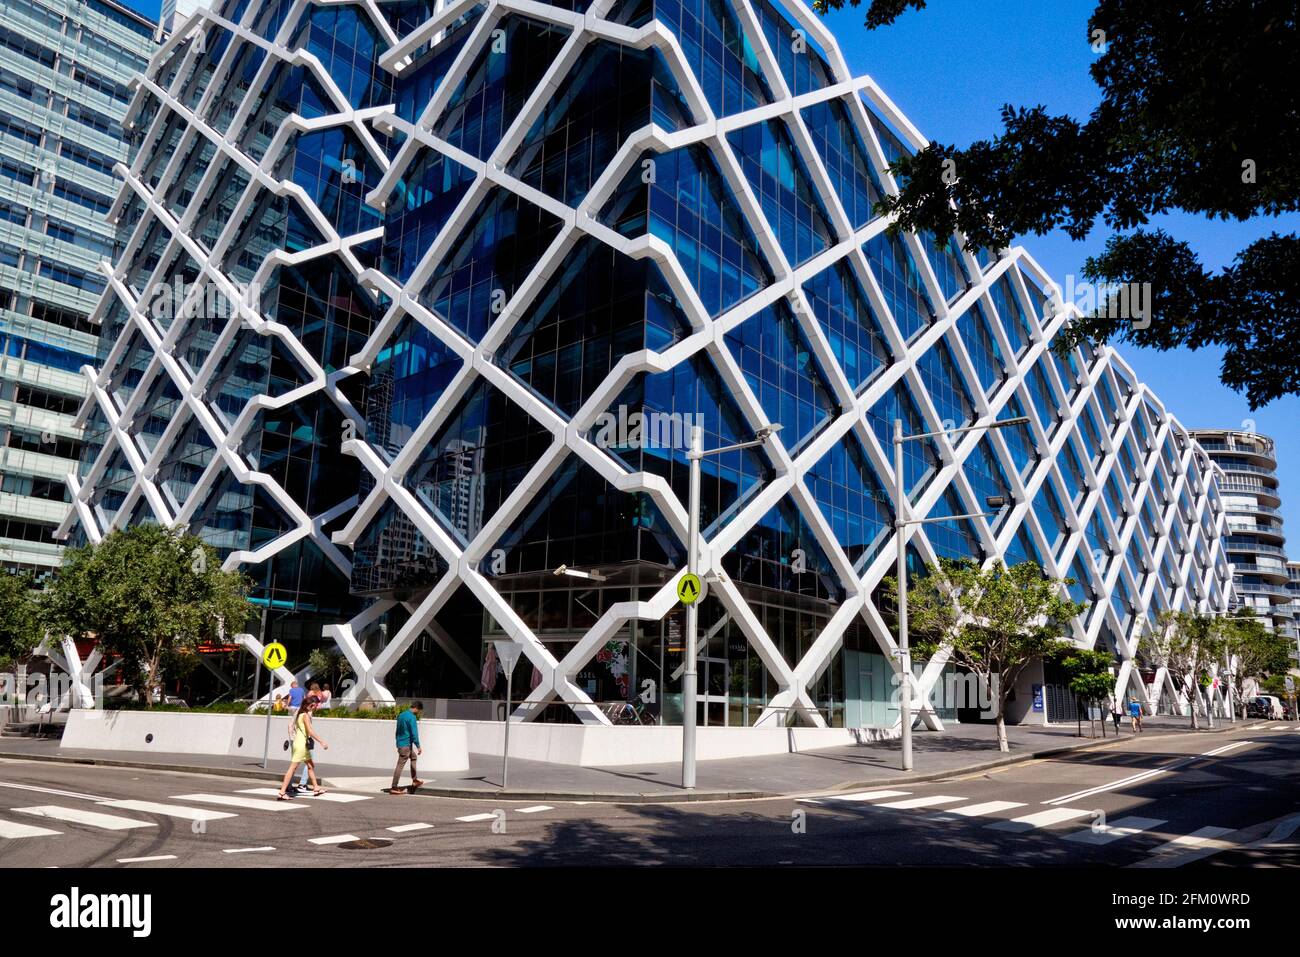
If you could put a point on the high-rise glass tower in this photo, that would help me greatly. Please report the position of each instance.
(460, 277)
(65, 72)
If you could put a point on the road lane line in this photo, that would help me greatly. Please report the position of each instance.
(75, 815)
(535, 809)
(476, 817)
(335, 839)
(911, 803)
(1143, 776)
(1039, 819)
(143, 860)
(13, 829)
(403, 828)
(169, 810)
(54, 791)
(229, 800)
(1124, 827)
(1225, 749)
(246, 850)
(981, 810)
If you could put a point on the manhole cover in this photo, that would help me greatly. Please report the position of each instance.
(366, 843)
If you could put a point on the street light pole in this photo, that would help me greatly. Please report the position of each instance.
(689, 674)
(900, 527)
(904, 657)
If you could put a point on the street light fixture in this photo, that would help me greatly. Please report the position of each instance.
(694, 455)
(900, 526)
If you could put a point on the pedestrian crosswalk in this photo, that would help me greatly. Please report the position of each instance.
(1060, 822)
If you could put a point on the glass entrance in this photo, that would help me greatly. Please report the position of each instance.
(714, 680)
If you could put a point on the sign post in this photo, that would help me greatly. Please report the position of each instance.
(508, 653)
(274, 656)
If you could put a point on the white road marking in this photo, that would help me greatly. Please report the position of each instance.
(403, 828)
(981, 810)
(229, 800)
(1198, 838)
(331, 796)
(1256, 727)
(869, 795)
(13, 829)
(74, 815)
(535, 808)
(1124, 827)
(1143, 776)
(1225, 749)
(1039, 819)
(54, 791)
(476, 817)
(143, 860)
(335, 839)
(930, 801)
(169, 810)
(246, 850)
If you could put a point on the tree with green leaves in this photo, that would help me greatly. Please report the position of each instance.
(20, 619)
(1197, 115)
(1256, 651)
(1090, 681)
(149, 596)
(993, 621)
(1187, 644)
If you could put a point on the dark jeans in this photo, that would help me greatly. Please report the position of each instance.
(404, 755)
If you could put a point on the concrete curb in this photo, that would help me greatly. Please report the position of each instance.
(598, 797)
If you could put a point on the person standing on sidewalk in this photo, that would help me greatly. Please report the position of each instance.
(408, 745)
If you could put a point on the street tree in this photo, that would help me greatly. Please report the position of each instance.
(1197, 115)
(1187, 644)
(150, 596)
(1256, 651)
(1090, 681)
(20, 620)
(993, 621)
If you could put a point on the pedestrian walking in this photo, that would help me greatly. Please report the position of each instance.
(408, 745)
(302, 734)
(1135, 712)
(311, 703)
(296, 694)
(1115, 713)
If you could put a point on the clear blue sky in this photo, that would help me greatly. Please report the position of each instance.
(951, 67)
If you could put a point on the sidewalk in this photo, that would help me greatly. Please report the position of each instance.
(962, 749)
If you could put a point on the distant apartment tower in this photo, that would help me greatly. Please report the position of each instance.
(1254, 541)
(1291, 612)
(65, 73)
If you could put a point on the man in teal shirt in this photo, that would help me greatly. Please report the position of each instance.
(408, 745)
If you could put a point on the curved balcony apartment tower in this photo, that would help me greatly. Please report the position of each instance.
(462, 275)
(1254, 541)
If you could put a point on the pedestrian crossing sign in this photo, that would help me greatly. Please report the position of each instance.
(689, 589)
(274, 655)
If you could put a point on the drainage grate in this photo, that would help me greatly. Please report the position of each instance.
(367, 844)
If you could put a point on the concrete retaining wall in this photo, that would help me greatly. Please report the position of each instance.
(595, 746)
(353, 742)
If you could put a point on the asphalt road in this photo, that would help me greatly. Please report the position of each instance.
(1187, 800)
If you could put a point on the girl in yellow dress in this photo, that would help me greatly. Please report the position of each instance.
(302, 732)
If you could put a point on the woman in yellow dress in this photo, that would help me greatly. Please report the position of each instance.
(301, 754)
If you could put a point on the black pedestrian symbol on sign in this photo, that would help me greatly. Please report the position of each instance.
(275, 655)
(688, 589)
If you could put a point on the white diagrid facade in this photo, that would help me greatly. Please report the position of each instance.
(501, 197)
